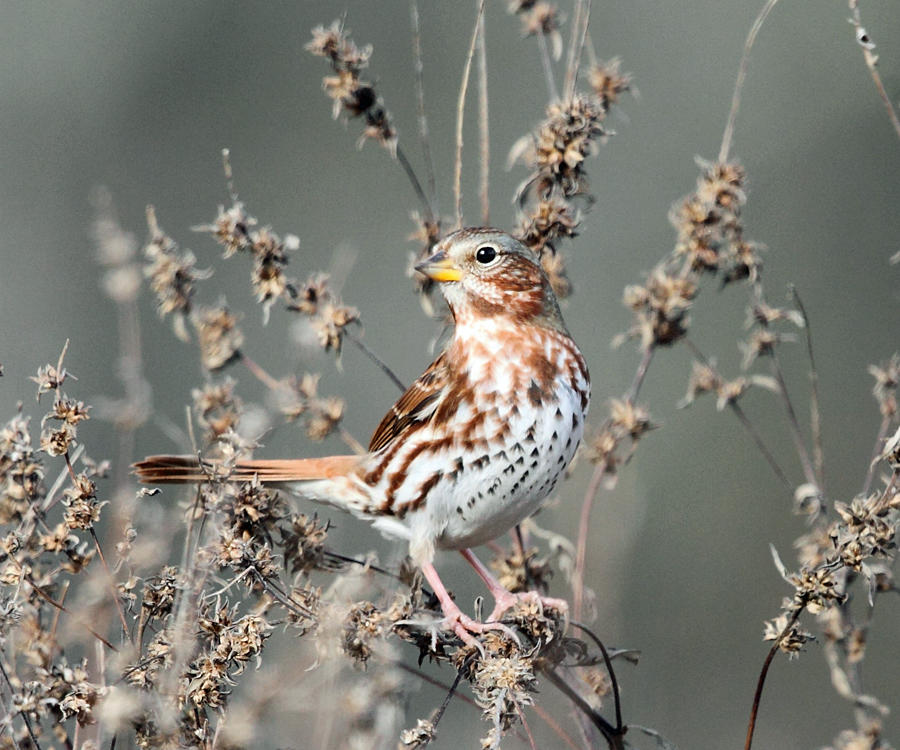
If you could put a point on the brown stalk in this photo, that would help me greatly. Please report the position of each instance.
(47, 598)
(862, 37)
(796, 434)
(547, 66)
(484, 141)
(745, 421)
(615, 738)
(815, 422)
(590, 494)
(757, 696)
(742, 74)
(421, 116)
(460, 111)
(579, 29)
(112, 582)
(24, 715)
(876, 451)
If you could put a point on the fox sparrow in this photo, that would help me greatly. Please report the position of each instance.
(476, 444)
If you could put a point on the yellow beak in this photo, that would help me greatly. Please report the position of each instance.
(439, 267)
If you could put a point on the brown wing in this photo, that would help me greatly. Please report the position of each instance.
(418, 404)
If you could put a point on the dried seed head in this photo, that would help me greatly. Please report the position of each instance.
(172, 275)
(218, 336)
(82, 507)
(539, 17)
(792, 639)
(328, 318)
(608, 82)
(661, 308)
(217, 407)
(887, 377)
(350, 93)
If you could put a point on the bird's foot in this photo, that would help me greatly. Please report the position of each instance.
(467, 628)
(506, 600)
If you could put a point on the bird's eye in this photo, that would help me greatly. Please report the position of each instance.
(485, 254)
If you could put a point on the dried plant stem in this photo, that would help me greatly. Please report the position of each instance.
(815, 422)
(584, 523)
(796, 434)
(260, 374)
(484, 135)
(742, 74)
(277, 385)
(609, 670)
(641, 373)
(525, 726)
(871, 59)
(421, 116)
(760, 444)
(416, 185)
(554, 726)
(590, 494)
(53, 603)
(614, 737)
(579, 38)
(112, 582)
(757, 696)
(460, 112)
(745, 421)
(382, 365)
(21, 713)
(876, 451)
(548, 67)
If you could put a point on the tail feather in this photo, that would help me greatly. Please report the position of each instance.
(188, 469)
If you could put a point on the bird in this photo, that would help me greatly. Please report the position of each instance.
(476, 444)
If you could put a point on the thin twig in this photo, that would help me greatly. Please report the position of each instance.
(584, 523)
(260, 374)
(377, 360)
(876, 451)
(554, 726)
(744, 420)
(416, 185)
(112, 582)
(525, 726)
(422, 118)
(573, 44)
(754, 710)
(483, 126)
(548, 67)
(868, 47)
(796, 433)
(640, 374)
(613, 737)
(609, 670)
(760, 444)
(581, 29)
(742, 74)
(815, 422)
(24, 715)
(47, 598)
(278, 385)
(590, 494)
(460, 111)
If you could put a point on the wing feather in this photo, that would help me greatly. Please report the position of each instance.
(417, 405)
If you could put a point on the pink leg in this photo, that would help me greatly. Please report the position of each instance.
(461, 624)
(505, 599)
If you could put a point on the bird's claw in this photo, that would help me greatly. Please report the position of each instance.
(507, 600)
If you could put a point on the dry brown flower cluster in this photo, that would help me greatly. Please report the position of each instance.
(551, 198)
(352, 94)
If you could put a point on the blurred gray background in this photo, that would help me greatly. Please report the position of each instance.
(141, 98)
